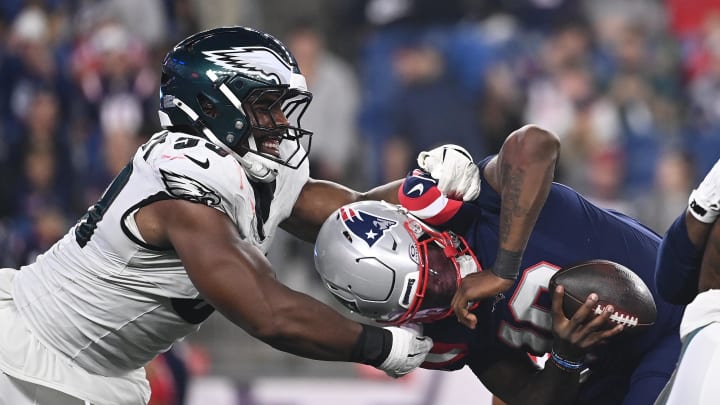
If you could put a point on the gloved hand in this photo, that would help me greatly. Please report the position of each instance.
(452, 166)
(704, 201)
(409, 349)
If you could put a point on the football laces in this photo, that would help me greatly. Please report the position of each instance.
(617, 317)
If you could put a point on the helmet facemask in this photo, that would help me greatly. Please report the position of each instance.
(381, 262)
(268, 129)
(444, 258)
(241, 89)
(267, 116)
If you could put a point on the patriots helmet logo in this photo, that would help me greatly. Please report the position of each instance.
(367, 227)
(257, 62)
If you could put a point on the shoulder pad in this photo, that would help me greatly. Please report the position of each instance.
(196, 170)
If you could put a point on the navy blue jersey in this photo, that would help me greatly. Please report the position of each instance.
(569, 229)
(678, 266)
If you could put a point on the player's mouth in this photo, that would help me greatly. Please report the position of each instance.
(270, 145)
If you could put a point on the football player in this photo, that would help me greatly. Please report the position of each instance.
(182, 231)
(521, 228)
(688, 272)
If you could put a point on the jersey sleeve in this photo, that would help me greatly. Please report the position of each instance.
(489, 198)
(456, 346)
(201, 175)
(452, 344)
(421, 196)
(678, 265)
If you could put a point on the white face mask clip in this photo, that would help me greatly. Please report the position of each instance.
(260, 169)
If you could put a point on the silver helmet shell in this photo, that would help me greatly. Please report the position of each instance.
(383, 263)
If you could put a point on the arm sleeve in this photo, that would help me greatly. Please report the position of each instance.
(678, 265)
(421, 196)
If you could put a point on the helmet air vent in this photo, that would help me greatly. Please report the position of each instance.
(207, 106)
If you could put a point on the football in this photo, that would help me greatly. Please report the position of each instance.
(614, 284)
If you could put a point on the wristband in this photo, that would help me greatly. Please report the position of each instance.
(565, 364)
(373, 346)
(507, 264)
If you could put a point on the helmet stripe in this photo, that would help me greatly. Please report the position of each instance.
(225, 90)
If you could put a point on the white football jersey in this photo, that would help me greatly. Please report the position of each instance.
(110, 302)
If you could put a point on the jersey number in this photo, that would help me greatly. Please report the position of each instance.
(525, 306)
(88, 223)
(86, 227)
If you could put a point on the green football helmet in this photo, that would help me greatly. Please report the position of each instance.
(230, 85)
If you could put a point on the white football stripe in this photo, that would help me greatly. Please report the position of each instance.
(432, 209)
(442, 357)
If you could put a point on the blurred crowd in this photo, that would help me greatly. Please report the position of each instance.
(631, 87)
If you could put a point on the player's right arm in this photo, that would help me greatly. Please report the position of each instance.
(237, 279)
(517, 380)
(522, 173)
(320, 198)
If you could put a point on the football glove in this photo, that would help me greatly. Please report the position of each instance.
(409, 349)
(452, 166)
(704, 201)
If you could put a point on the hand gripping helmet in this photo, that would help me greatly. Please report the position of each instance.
(218, 83)
(383, 263)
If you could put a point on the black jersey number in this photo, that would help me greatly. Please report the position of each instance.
(184, 142)
(88, 223)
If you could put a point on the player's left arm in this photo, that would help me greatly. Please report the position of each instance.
(678, 275)
(318, 199)
(522, 173)
(680, 253)
(710, 266)
(515, 378)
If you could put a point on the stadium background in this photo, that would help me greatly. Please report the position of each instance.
(631, 87)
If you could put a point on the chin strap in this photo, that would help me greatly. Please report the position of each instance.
(467, 265)
(261, 169)
(258, 170)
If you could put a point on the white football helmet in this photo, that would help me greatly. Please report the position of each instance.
(383, 263)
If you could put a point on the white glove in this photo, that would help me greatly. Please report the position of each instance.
(452, 166)
(408, 350)
(704, 201)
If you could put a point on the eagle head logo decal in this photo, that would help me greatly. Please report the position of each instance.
(186, 188)
(257, 62)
